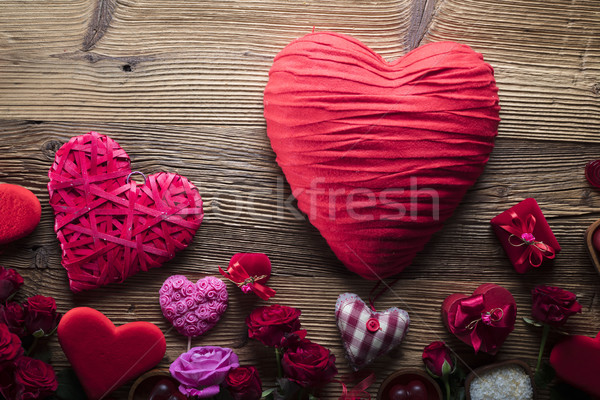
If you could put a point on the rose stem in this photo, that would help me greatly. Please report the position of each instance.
(545, 333)
(278, 358)
(33, 346)
(447, 386)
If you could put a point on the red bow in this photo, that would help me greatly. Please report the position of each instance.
(238, 275)
(358, 392)
(472, 319)
(523, 231)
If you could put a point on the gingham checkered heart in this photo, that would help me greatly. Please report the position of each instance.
(368, 334)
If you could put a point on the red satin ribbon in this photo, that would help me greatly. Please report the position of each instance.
(471, 318)
(238, 275)
(535, 251)
(358, 392)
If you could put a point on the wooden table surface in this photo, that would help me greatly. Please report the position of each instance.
(179, 85)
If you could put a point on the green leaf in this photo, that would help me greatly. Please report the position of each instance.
(267, 393)
(311, 397)
(69, 387)
(544, 375)
(446, 368)
(38, 334)
(532, 322)
(52, 332)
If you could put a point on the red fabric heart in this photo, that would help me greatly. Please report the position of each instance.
(108, 226)
(360, 140)
(20, 212)
(576, 360)
(103, 356)
(483, 320)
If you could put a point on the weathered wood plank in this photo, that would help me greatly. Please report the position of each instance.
(245, 198)
(207, 63)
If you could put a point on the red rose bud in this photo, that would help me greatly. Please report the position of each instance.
(13, 316)
(10, 282)
(269, 324)
(41, 315)
(309, 364)
(438, 359)
(34, 378)
(10, 345)
(553, 305)
(244, 383)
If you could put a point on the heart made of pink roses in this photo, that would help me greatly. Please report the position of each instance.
(193, 308)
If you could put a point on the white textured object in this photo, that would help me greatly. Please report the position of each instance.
(503, 383)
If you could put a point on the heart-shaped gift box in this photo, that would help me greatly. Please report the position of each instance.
(379, 154)
(108, 226)
(483, 320)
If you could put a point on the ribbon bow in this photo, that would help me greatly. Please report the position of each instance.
(522, 231)
(237, 274)
(472, 319)
(358, 392)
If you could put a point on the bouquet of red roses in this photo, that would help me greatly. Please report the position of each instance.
(303, 366)
(21, 328)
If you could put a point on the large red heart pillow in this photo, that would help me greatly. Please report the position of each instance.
(103, 356)
(379, 154)
(108, 226)
(576, 360)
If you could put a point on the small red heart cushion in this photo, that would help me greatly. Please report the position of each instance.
(20, 212)
(483, 320)
(103, 356)
(379, 154)
(576, 360)
(108, 226)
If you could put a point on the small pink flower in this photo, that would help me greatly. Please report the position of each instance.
(528, 238)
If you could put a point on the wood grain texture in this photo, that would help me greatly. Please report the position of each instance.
(247, 209)
(179, 86)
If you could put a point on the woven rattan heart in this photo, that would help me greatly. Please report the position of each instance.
(109, 227)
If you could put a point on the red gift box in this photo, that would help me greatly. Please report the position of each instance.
(525, 235)
(483, 320)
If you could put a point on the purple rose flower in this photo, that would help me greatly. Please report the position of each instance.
(202, 369)
(178, 281)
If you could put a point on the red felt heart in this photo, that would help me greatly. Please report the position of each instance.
(103, 356)
(483, 320)
(20, 212)
(576, 360)
(379, 154)
(108, 226)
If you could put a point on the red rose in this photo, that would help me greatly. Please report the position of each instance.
(10, 282)
(8, 388)
(309, 364)
(438, 360)
(244, 383)
(10, 345)
(34, 378)
(40, 313)
(13, 316)
(270, 324)
(552, 305)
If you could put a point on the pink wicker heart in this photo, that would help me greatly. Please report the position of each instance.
(109, 227)
(368, 334)
(193, 308)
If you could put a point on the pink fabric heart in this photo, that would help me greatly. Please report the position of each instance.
(193, 308)
(368, 334)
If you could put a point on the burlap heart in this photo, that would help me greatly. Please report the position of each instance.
(379, 154)
(108, 226)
